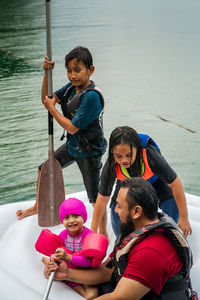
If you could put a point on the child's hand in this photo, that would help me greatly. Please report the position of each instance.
(53, 257)
(48, 65)
(60, 253)
(49, 103)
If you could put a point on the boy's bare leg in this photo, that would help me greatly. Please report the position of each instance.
(31, 210)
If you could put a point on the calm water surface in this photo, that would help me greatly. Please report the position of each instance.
(147, 58)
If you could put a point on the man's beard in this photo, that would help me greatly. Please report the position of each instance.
(126, 228)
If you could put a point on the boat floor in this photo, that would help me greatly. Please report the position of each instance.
(21, 269)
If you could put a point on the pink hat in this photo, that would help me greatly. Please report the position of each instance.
(72, 206)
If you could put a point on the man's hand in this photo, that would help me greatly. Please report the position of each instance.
(59, 267)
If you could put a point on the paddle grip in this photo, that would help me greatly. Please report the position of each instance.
(49, 72)
(48, 45)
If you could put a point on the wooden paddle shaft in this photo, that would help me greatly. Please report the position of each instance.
(51, 190)
(50, 118)
(49, 72)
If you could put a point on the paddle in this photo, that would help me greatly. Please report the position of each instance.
(48, 287)
(51, 192)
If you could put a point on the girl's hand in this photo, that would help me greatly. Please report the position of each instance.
(53, 257)
(185, 226)
(47, 64)
(60, 253)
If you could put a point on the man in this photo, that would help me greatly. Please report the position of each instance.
(151, 258)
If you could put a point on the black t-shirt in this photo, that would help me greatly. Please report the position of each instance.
(158, 165)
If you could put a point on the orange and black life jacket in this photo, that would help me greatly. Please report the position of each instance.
(146, 173)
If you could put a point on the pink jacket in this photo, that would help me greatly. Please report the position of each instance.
(74, 244)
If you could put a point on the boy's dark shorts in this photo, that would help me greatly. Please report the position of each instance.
(91, 175)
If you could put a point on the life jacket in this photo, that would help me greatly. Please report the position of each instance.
(178, 283)
(146, 172)
(94, 132)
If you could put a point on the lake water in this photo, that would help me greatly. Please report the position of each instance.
(147, 59)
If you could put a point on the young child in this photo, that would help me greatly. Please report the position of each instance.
(73, 215)
(82, 105)
(131, 155)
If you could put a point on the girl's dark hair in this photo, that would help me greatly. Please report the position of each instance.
(81, 54)
(124, 135)
(141, 192)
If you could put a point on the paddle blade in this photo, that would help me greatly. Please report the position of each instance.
(51, 193)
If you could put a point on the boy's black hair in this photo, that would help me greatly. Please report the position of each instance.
(81, 54)
(141, 192)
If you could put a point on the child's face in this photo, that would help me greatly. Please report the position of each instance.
(74, 224)
(122, 155)
(78, 74)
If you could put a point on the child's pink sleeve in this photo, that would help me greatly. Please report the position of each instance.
(80, 261)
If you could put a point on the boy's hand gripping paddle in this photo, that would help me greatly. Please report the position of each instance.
(51, 192)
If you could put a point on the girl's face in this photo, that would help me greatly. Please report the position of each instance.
(74, 224)
(123, 155)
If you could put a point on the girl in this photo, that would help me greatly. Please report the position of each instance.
(73, 215)
(130, 155)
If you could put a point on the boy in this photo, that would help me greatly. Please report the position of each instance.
(82, 106)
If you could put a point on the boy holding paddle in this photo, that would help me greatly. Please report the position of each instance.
(82, 106)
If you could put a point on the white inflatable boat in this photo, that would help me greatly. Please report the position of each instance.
(21, 269)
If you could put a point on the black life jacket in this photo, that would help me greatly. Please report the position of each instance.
(93, 134)
(177, 287)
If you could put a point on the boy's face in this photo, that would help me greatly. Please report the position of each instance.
(79, 74)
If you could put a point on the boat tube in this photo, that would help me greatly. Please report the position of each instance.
(21, 269)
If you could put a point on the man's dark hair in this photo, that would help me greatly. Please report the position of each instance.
(141, 192)
(81, 54)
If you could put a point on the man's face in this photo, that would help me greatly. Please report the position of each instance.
(122, 206)
(126, 228)
(126, 225)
